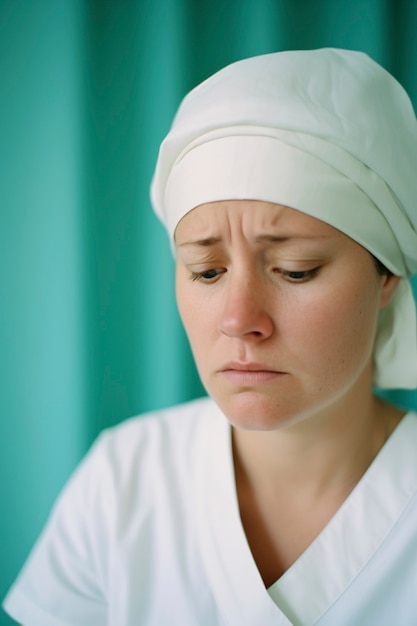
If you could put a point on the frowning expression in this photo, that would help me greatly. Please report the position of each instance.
(280, 310)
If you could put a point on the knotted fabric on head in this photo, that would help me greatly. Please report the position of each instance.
(327, 132)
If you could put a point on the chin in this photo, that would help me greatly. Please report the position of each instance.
(250, 411)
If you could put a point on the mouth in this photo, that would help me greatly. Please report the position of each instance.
(249, 374)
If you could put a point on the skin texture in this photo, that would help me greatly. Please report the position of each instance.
(281, 311)
(239, 303)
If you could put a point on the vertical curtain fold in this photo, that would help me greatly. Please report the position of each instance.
(41, 266)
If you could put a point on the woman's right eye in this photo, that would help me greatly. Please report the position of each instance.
(207, 276)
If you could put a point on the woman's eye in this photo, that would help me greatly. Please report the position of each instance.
(299, 276)
(206, 276)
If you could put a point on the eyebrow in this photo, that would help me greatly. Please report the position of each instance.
(212, 241)
(282, 238)
(208, 241)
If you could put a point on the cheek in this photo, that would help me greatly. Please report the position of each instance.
(181, 296)
(194, 311)
(339, 331)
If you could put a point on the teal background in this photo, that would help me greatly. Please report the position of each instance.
(89, 334)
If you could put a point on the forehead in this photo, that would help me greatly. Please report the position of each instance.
(252, 217)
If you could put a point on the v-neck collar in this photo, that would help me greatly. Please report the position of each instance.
(354, 534)
(333, 559)
(235, 581)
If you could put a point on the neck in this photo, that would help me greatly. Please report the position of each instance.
(317, 455)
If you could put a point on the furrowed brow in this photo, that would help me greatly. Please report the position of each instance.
(266, 238)
(204, 243)
(283, 238)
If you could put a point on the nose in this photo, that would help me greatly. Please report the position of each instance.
(245, 312)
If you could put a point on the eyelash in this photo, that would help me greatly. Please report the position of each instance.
(292, 276)
(300, 276)
(195, 276)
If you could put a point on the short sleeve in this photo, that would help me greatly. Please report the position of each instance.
(63, 582)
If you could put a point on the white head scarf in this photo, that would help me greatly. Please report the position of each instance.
(327, 132)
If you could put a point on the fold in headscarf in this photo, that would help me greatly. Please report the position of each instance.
(327, 132)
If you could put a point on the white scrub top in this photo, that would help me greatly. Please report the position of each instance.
(148, 533)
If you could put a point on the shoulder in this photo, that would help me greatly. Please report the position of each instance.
(127, 522)
(140, 469)
(164, 430)
(157, 446)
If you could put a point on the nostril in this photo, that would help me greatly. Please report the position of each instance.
(244, 312)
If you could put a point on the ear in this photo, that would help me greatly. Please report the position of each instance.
(388, 286)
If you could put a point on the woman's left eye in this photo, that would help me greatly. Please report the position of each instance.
(299, 276)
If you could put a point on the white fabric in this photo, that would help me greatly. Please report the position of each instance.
(148, 533)
(281, 166)
(336, 105)
(327, 132)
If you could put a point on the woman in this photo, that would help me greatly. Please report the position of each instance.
(289, 496)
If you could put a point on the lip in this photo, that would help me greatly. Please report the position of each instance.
(247, 366)
(249, 373)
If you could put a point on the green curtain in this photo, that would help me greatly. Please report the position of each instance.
(89, 334)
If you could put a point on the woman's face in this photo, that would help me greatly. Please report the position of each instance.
(280, 310)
